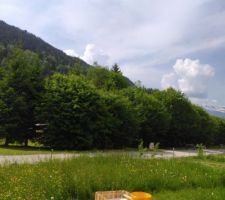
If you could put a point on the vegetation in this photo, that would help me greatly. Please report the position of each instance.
(141, 149)
(20, 89)
(79, 178)
(61, 102)
(97, 108)
(18, 150)
(102, 78)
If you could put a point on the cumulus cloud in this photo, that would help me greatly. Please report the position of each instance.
(189, 76)
(93, 54)
(71, 52)
(169, 80)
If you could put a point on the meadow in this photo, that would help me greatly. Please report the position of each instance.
(78, 178)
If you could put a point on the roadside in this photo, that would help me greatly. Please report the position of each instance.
(19, 159)
(20, 150)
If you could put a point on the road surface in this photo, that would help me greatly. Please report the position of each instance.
(19, 159)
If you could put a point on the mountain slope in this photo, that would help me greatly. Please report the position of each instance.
(218, 111)
(55, 60)
(10, 35)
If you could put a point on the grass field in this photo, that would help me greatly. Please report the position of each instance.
(79, 178)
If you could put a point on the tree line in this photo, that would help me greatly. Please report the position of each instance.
(94, 108)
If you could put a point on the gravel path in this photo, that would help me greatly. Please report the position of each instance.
(19, 159)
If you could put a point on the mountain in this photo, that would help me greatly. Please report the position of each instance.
(218, 111)
(54, 59)
(11, 35)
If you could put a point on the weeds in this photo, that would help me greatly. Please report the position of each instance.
(155, 150)
(200, 150)
(79, 178)
(141, 149)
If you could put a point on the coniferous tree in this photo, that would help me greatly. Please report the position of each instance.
(115, 68)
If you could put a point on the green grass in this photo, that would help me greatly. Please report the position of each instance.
(193, 194)
(16, 150)
(79, 178)
(19, 150)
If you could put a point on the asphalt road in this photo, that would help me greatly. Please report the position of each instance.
(19, 159)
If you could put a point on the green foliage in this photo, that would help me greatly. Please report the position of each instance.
(73, 111)
(115, 68)
(106, 79)
(152, 115)
(218, 131)
(20, 88)
(78, 69)
(204, 127)
(80, 117)
(183, 117)
(122, 126)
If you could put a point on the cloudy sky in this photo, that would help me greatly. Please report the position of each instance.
(179, 43)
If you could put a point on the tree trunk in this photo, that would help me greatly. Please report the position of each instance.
(6, 141)
(26, 142)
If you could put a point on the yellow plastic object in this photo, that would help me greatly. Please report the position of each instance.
(141, 196)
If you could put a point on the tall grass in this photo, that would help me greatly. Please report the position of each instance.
(79, 178)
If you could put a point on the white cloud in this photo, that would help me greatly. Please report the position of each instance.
(71, 52)
(93, 54)
(169, 80)
(189, 76)
(192, 68)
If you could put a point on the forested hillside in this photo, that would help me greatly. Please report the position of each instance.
(10, 35)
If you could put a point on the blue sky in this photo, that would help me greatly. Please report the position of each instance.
(179, 43)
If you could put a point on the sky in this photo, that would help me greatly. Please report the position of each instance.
(178, 43)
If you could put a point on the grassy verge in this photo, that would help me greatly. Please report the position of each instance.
(15, 150)
(79, 178)
(19, 150)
